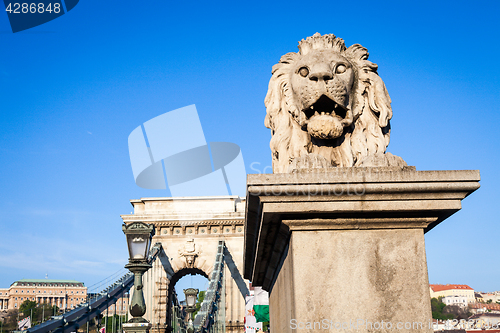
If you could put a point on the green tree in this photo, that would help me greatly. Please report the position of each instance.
(44, 310)
(437, 307)
(113, 323)
(201, 297)
(26, 307)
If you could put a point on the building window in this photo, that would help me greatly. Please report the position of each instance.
(15, 305)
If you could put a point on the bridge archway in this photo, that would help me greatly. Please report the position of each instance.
(173, 282)
(185, 272)
(189, 230)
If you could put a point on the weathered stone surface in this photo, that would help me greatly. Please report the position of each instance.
(347, 244)
(353, 278)
(327, 107)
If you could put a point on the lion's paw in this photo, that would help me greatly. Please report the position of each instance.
(382, 160)
(311, 161)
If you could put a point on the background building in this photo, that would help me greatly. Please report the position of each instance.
(444, 290)
(456, 300)
(120, 308)
(485, 320)
(493, 297)
(483, 308)
(4, 299)
(65, 294)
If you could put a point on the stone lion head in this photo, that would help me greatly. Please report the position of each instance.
(327, 107)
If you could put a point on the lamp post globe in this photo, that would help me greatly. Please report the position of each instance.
(191, 297)
(139, 237)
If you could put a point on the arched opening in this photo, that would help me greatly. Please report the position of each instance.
(196, 281)
(183, 279)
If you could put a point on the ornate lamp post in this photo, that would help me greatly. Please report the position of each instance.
(138, 240)
(191, 296)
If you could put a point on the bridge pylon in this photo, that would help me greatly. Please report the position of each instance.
(190, 230)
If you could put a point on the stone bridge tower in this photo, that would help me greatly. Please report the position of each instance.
(189, 229)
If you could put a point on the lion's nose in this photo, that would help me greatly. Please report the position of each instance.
(320, 76)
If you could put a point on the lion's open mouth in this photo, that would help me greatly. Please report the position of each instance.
(325, 105)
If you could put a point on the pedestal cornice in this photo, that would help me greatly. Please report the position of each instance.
(343, 199)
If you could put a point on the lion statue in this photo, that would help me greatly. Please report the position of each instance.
(327, 107)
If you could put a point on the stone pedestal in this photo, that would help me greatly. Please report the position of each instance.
(344, 249)
(137, 327)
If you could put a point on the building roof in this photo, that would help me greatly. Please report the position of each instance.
(441, 287)
(489, 314)
(46, 281)
(491, 306)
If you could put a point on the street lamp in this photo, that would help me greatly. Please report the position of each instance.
(139, 236)
(191, 296)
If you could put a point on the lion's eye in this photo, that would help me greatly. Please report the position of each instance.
(303, 71)
(340, 69)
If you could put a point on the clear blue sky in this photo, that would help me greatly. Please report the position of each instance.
(73, 89)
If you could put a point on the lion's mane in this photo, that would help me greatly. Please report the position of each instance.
(369, 102)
